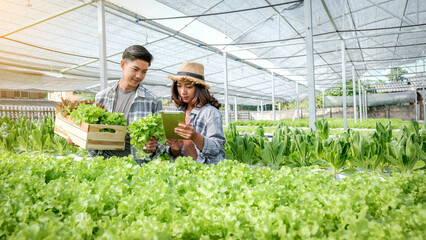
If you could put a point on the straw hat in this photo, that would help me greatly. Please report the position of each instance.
(191, 71)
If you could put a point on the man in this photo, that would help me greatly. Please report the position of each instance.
(129, 97)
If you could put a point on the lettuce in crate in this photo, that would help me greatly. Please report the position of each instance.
(94, 114)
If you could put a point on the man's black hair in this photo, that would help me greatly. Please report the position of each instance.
(137, 52)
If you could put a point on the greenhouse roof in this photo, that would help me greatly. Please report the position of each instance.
(412, 83)
(49, 45)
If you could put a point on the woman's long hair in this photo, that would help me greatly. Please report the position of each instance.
(202, 97)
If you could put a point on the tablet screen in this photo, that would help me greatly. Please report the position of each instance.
(171, 119)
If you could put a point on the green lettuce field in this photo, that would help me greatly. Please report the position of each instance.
(293, 185)
(43, 197)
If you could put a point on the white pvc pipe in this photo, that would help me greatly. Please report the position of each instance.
(323, 104)
(273, 97)
(236, 108)
(225, 72)
(310, 63)
(102, 45)
(424, 104)
(297, 93)
(417, 107)
(360, 98)
(354, 92)
(345, 120)
(365, 104)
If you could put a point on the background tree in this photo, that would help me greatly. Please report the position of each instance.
(397, 74)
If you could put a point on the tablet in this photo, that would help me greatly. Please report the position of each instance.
(171, 119)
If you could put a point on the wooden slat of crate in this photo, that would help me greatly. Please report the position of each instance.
(88, 136)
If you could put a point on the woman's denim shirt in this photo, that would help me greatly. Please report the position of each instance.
(207, 121)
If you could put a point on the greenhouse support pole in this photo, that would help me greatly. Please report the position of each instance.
(235, 108)
(417, 109)
(279, 110)
(323, 105)
(345, 120)
(423, 102)
(261, 109)
(362, 103)
(273, 97)
(297, 102)
(360, 98)
(424, 105)
(225, 72)
(310, 63)
(102, 45)
(354, 92)
(365, 104)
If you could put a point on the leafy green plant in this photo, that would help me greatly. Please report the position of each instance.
(283, 134)
(242, 149)
(272, 154)
(323, 129)
(302, 149)
(36, 135)
(7, 137)
(422, 136)
(113, 118)
(23, 140)
(405, 152)
(66, 106)
(231, 133)
(336, 153)
(332, 123)
(405, 155)
(88, 113)
(383, 134)
(40, 138)
(259, 138)
(43, 197)
(260, 132)
(363, 151)
(95, 114)
(379, 139)
(59, 145)
(141, 131)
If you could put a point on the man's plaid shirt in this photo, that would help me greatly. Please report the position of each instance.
(144, 103)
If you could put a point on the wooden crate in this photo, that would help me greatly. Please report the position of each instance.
(88, 136)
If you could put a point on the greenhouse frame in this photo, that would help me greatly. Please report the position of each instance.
(313, 126)
(256, 52)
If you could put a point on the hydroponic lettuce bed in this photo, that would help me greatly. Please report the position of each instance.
(46, 197)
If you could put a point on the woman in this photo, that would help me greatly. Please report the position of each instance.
(202, 132)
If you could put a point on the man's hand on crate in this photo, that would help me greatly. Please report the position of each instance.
(70, 142)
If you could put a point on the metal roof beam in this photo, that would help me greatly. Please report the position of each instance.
(401, 22)
(46, 19)
(294, 29)
(193, 41)
(403, 18)
(328, 40)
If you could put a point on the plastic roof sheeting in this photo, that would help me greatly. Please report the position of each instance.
(34, 81)
(60, 39)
